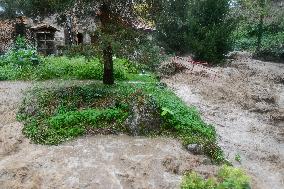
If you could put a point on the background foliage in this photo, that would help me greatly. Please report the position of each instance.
(245, 36)
(202, 28)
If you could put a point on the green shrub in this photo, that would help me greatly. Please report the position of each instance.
(23, 63)
(272, 47)
(227, 178)
(7, 72)
(63, 67)
(210, 29)
(22, 54)
(68, 125)
(172, 26)
(13, 72)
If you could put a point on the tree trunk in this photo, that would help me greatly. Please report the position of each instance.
(260, 33)
(107, 48)
(108, 65)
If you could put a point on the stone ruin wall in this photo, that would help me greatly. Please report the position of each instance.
(6, 35)
(85, 27)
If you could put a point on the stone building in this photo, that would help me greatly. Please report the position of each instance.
(48, 36)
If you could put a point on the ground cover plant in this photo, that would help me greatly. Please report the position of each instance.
(67, 68)
(227, 178)
(58, 114)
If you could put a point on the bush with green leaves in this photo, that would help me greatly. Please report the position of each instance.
(266, 42)
(200, 27)
(22, 54)
(55, 115)
(210, 30)
(227, 178)
(271, 47)
(172, 26)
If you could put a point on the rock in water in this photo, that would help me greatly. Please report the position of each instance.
(196, 149)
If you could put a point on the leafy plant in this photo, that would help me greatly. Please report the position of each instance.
(260, 29)
(238, 158)
(22, 54)
(68, 68)
(71, 124)
(210, 29)
(227, 178)
(172, 26)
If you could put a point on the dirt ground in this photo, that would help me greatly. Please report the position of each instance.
(101, 162)
(245, 102)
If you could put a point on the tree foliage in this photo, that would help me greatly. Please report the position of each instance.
(210, 29)
(200, 27)
(260, 28)
(172, 26)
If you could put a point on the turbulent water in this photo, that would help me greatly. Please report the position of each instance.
(109, 162)
(245, 104)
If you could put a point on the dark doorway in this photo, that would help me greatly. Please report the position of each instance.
(20, 27)
(80, 38)
(45, 38)
(94, 39)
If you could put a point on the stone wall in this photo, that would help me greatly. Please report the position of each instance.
(85, 27)
(6, 35)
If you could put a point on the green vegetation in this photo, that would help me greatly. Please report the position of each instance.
(172, 25)
(227, 178)
(210, 29)
(238, 158)
(271, 47)
(203, 28)
(260, 28)
(66, 68)
(55, 115)
(22, 62)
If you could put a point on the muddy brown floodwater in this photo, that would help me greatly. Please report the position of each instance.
(246, 105)
(101, 162)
